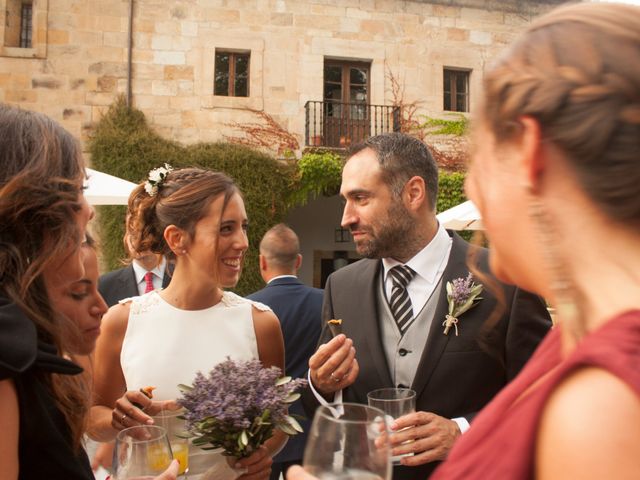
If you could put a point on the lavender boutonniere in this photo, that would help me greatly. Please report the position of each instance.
(238, 405)
(462, 294)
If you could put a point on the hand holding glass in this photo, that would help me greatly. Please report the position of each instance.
(395, 403)
(342, 444)
(141, 452)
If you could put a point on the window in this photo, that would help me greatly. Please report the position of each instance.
(23, 28)
(25, 25)
(18, 24)
(456, 90)
(346, 82)
(231, 74)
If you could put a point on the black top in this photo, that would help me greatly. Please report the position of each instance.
(44, 446)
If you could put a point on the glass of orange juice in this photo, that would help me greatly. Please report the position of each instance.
(141, 451)
(174, 424)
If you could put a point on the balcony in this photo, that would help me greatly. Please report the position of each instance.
(338, 125)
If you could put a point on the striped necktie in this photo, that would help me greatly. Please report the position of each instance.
(400, 303)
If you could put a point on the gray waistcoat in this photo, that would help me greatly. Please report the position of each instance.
(404, 353)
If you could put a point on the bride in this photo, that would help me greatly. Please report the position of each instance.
(197, 218)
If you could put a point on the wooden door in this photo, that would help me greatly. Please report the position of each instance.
(346, 112)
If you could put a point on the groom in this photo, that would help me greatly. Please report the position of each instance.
(393, 304)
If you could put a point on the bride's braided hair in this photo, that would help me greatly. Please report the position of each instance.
(183, 198)
(577, 71)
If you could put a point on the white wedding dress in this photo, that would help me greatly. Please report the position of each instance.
(165, 346)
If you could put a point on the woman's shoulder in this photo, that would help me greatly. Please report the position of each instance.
(233, 299)
(588, 422)
(18, 342)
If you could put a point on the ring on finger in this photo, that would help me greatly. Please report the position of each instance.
(122, 418)
(334, 378)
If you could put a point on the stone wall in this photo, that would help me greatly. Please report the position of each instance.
(84, 59)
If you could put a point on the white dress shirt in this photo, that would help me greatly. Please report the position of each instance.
(429, 264)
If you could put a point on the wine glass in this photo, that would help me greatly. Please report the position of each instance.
(141, 452)
(175, 425)
(394, 402)
(348, 441)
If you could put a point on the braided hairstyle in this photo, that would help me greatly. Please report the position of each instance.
(182, 199)
(577, 71)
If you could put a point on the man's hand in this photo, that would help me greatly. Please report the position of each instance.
(429, 437)
(334, 365)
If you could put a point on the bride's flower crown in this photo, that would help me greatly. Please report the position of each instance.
(156, 177)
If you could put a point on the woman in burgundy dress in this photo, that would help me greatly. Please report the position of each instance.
(556, 176)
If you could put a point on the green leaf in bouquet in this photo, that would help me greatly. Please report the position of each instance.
(282, 381)
(185, 388)
(288, 429)
(294, 423)
(292, 398)
(243, 439)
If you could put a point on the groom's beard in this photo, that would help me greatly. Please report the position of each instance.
(389, 237)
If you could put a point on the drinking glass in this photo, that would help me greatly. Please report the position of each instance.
(141, 452)
(175, 425)
(348, 441)
(394, 402)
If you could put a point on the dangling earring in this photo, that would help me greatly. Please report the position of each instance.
(566, 296)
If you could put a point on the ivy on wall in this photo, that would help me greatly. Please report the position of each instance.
(318, 173)
(457, 126)
(450, 191)
(123, 144)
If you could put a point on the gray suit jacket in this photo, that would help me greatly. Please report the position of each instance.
(121, 283)
(457, 375)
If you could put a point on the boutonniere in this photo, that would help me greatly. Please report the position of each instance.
(462, 294)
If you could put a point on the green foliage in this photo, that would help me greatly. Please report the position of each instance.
(124, 145)
(450, 190)
(457, 126)
(319, 173)
(450, 194)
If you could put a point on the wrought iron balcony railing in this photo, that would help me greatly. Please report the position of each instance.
(337, 124)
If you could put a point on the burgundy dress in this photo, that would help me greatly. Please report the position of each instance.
(501, 441)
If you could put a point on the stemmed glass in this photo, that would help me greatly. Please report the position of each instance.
(394, 402)
(348, 441)
(141, 452)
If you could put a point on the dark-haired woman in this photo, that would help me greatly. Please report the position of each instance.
(43, 216)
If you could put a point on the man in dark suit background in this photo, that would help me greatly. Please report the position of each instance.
(393, 304)
(298, 308)
(146, 272)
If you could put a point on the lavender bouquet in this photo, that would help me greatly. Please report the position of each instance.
(238, 405)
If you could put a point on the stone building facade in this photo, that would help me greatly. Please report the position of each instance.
(327, 71)
(197, 66)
